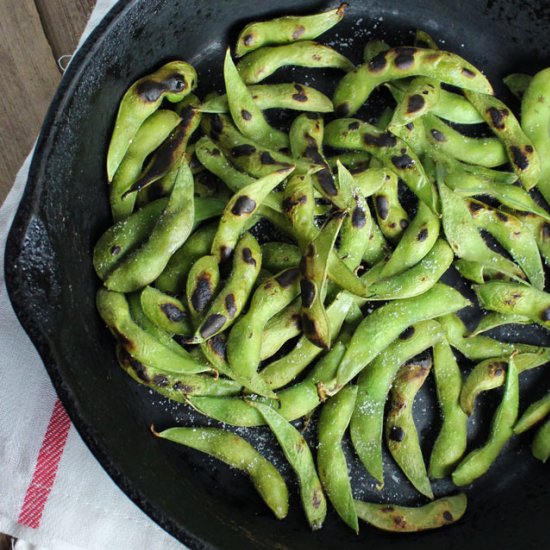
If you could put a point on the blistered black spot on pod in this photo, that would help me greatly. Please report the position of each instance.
(343, 110)
(216, 127)
(230, 305)
(529, 149)
(383, 140)
(212, 324)
(502, 216)
(172, 312)
(308, 292)
(141, 371)
(437, 135)
(545, 315)
(298, 31)
(497, 117)
(404, 60)
(243, 205)
(403, 162)
(115, 250)
(310, 251)
(175, 83)
(183, 388)
(310, 330)
(300, 95)
(382, 206)
(225, 252)
(422, 234)
(150, 91)
(248, 257)
(407, 333)
(218, 344)
(474, 207)
(378, 63)
(243, 150)
(447, 516)
(246, 114)
(353, 125)
(160, 380)
(409, 126)
(358, 218)
(415, 103)
(202, 294)
(404, 224)
(312, 153)
(326, 181)
(288, 277)
(396, 433)
(467, 72)
(248, 39)
(124, 340)
(266, 158)
(497, 368)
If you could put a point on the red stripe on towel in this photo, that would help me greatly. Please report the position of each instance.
(46, 467)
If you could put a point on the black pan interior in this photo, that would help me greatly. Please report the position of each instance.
(52, 284)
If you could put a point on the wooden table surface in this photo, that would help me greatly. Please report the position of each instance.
(34, 34)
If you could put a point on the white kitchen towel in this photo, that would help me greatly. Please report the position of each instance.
(53, 492)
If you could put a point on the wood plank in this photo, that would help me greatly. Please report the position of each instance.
(29, 79)
(63, 22)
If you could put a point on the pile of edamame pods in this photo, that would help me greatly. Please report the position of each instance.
(329, 306)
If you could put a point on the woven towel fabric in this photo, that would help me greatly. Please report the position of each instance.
(53, 492)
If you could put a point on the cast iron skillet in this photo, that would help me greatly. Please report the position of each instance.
(52, 284)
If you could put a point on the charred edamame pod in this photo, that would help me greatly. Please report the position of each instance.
(165, 311)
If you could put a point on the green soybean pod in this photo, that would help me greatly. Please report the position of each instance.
(287, 29)
(535, 121)
(540, 228)
(373, 47)
(277, 256)
(379, 329)
(331, 460)
(421, 96)
(246, 115)
(491, 373)
(148, 138)
(262, 63)
(535, 413)
(165, 311)
(505, 297)
(229, 303)
(416, 242)
(493, 320)
(401, 434)
(378, 248)
(114, 310)
(517, 83)
(541, 443)
(355, 88)
(173, 81)
(522, 155)
(487, 152)
(202, 281)
(450, 445)
(510, 233)
(394, 153)
(237, 453)
(371, 179)
(298, 454)
(239, 209)
(367, 422)
(423, 40)
(464, 237)
(402, 519)
(173, 277)
(480, 460)
(282, 327)
(143, 265)
(294, 96)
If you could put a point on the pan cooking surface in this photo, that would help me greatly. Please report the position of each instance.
(52, 283)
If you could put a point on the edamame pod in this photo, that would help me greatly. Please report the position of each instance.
(367, 422)
(262, 63)
(493, 320)
(540, 228)
(277, 256)
(143, 265)
(284, 30)
(331, 460)
(421, 96)
(165, 311)
(541, 443)
(535, 121)
(298, 454)
(403, 519)
(536, 412)
(355, 88)
(515, 298)
(416, 242)
(246, 115)
(228, 304)
(172, 81)
(479, 461)
(280, 329)
(294, 96)
(423, 40)
(237, 453)
(517, 83)
(239, 209)
(450, 445)
(379, 329)
(202, 281)
(348, 133)
(373, 47)
(148, 138)
(401, 434)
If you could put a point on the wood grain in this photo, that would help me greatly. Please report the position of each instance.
(63, 22)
